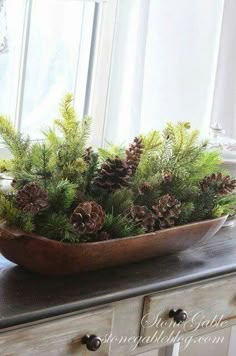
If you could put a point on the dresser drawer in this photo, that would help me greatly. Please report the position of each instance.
(61, 337)
(209, 306)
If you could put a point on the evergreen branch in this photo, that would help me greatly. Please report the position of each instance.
(118, 202)
(151, 141)
(121, 226)
(225, 205)
(186, 212)
(12, 215)
(61, 195)
(13, 139)
(111, 151)
(68, 124)
(57, 227)
(5, 165)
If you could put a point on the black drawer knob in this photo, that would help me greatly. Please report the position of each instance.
(179, 315)
(92, 342)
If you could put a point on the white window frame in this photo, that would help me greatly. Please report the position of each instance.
(100, 49)
(102, 72)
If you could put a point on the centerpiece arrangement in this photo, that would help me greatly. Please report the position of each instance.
(71, 209)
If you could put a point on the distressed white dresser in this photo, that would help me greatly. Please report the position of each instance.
(162, 304)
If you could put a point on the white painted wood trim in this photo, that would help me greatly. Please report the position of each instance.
(92, 58)
(23, 63)
(171, 350)
(232, 343)
(103, 68)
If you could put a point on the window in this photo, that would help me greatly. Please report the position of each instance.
(164, 65)
(132, 65)
(10, 59)
(51, 51)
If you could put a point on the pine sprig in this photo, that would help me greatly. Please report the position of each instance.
(61, 195)
(186, 212)
(121, 226)
(58, 227)
(152, 141)
(13, 139)
(75, 132)
(70, 151)
(111, 151)
(13, 216)
(117, 202)
(225, 205)
(68, 125)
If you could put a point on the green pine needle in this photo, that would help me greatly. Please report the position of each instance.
(117, 202)
(57, 227)
(12, 215)
(111, 151)
(121, 226)
(61, 195)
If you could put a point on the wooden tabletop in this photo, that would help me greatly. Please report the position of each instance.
(27, 297)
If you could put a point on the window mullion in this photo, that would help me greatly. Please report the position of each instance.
(91, 65)
(84, 55)
(102, 73)
(79, 53)
(23, 63)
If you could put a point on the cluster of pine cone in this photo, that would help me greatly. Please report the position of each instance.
(163, 215)
(220, 184)
(115, 172)
(89, 217)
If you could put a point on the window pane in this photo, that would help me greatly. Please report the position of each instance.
(180, 65)
(53, 59)
(12, 15)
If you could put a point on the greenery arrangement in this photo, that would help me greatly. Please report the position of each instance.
(63, 190)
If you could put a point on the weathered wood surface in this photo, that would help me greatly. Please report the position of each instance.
(26, 297)
(58, 338)
(210, 306)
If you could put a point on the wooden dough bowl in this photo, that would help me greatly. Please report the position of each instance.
(50, 257)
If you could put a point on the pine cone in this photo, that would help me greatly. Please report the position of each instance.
(114, 174)
(144, 188)
(167, 177)
(88, 218)
(88, 153)
(32, 198)
(133, 154)
(167, 210)
(222, 185)
(144, 217)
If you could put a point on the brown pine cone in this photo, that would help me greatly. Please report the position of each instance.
(114, 174)
(88, 218)
(167, 177)
(222, 185)
(143, 217)
(32, 198)
(88, 153)
(144, 188)
(133, 154)
(167, 211)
